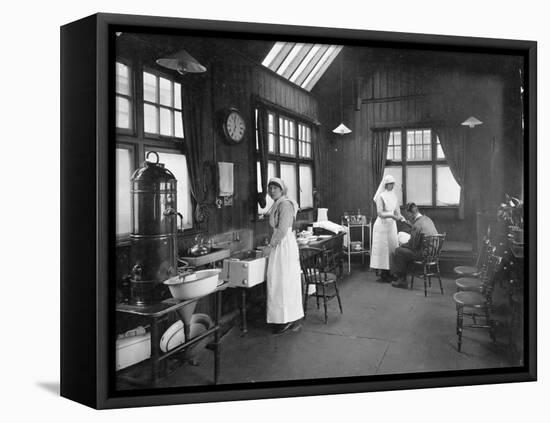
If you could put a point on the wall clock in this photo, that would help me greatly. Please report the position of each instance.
(234, 126)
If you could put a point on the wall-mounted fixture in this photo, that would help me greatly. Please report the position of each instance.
(471, 122)
(182, 62)
(341, 129)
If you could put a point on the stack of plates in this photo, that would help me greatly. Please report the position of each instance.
(305, 237)
(174, 335)
(356, 245)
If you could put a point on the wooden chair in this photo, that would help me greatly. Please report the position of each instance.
(475, 283)
(314, 271)
(431, 250)
(474, 271)
(334, 256)
(479, 303)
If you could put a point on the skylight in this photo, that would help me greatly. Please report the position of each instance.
(300, 63)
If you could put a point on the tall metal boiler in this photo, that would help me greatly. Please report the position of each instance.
(153, 251)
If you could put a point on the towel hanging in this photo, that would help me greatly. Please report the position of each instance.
(225, 179)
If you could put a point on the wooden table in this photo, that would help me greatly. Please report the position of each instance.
(157, 312)
(334, 243)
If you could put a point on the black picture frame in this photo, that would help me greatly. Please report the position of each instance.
(86, 248)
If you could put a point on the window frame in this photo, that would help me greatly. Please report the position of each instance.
(131, 97)
(138, 141)
(277, 157)
(434, 162)
(159, 74)
(124, 237)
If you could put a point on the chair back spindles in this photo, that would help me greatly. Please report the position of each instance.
(488, 251)
(488, 280)
(480, 303)
(489, 255)
(430, 250)
(431, 247)
(480, 267)
(311, 264)
(316, 265)
(483, 254)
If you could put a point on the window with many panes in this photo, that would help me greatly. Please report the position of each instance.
(394, 146)
(159, 128)
(421, 171)
(290, 155)
(162, 110)
(124, 103)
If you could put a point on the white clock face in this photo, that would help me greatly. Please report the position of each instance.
(235, 126)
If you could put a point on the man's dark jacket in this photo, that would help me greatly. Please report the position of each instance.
(422, 226)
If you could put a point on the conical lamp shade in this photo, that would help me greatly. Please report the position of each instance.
(341, 129)
(471, 122)
(182, 62)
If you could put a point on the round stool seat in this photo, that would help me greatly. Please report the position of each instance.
(466, 270)
(469, 284)
(469, 299)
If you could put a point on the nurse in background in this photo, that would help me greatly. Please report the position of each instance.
(384, 231)
(284, 284)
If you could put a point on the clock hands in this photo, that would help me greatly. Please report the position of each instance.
(235, 127)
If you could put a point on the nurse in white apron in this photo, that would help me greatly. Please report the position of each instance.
(384, 230)
(284, 285)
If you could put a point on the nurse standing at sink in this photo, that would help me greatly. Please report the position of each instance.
(284, 290)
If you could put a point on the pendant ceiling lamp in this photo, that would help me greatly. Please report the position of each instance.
(182, 62)
(471, 122)
(341, 129)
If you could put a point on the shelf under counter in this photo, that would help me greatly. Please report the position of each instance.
(155, 313)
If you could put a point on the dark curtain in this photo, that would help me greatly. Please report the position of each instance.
(262, 153)
(453, 143)
(379, 152)
(193, 102)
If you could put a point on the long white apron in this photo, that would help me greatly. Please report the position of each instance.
(284, 284)
(384, 235)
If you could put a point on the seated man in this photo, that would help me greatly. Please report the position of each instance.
(411, 250)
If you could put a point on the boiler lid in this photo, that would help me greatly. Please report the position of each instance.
(153, 171)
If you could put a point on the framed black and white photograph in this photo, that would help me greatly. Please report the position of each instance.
(280, 211)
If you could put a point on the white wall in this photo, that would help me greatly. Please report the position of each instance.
(30, 288)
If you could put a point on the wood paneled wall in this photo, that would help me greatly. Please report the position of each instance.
(382, 88)
(385, 88)
(232, 80)
(240, 83)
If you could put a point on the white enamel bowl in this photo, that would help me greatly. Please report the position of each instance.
(175, 336)
(195, 285)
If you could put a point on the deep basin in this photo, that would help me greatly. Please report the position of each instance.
(194, 285)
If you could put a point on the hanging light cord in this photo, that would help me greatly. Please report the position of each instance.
(341, 95)
(342, 128)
